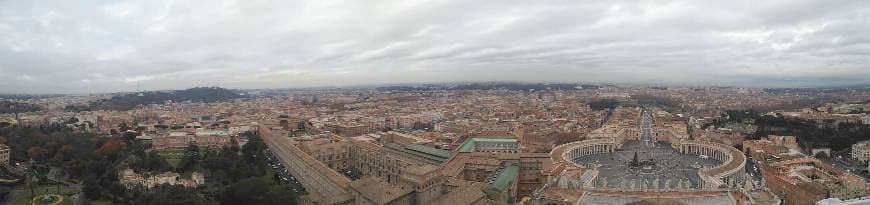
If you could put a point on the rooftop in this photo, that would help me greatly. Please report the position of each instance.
(378, 192)
(504, 177)
(422, 151)
(462, 195)
(470, 144)
(431, 151)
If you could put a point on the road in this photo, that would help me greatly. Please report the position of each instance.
(283, 176)
(646, 127)
(849, 167)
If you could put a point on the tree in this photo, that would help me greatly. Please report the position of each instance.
(92, 187)
(151, 161)
(111, 147)
(300, 126)
(123, 127)
(253, 154)
(170, 195)
(36, 152)
(128, 136)
(76, 153)
(257, 191)
(189, 160)
(821, 155)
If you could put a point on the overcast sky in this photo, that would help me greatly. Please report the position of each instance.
(85, 46)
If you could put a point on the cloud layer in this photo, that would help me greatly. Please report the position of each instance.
(104, 46)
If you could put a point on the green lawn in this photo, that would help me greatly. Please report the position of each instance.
(102, 202)
(171, 156)
(173, 162)
(25, 200)
(39, 191)
(171, 153)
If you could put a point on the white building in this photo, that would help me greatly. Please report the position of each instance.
(861, 151)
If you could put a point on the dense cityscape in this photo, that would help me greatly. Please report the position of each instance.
(434, 102)
(500, 143)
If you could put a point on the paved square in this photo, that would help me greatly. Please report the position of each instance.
(615, 171)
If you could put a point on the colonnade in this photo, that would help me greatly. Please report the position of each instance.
(578, 149)
(730, 172)
(592, 149)
(715, 152)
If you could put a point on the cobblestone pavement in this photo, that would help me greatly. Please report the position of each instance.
(615, 172)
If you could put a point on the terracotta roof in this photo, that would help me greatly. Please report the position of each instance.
(462, 195)
(378, 192)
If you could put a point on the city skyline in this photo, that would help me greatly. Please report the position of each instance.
(101, 47)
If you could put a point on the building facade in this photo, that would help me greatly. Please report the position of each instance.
(4, 154)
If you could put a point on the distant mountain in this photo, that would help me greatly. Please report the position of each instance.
(7, 107)
(132, 100)
(490, 86)
(25, 96)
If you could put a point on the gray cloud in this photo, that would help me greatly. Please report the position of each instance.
(104, 46)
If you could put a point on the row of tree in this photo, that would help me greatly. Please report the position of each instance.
(95, 161)
(235, 175)
(810, 133)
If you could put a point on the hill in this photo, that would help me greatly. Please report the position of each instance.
(132, 100)
(489, 86)
(16, 107)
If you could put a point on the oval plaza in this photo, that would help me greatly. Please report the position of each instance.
(637, 158)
